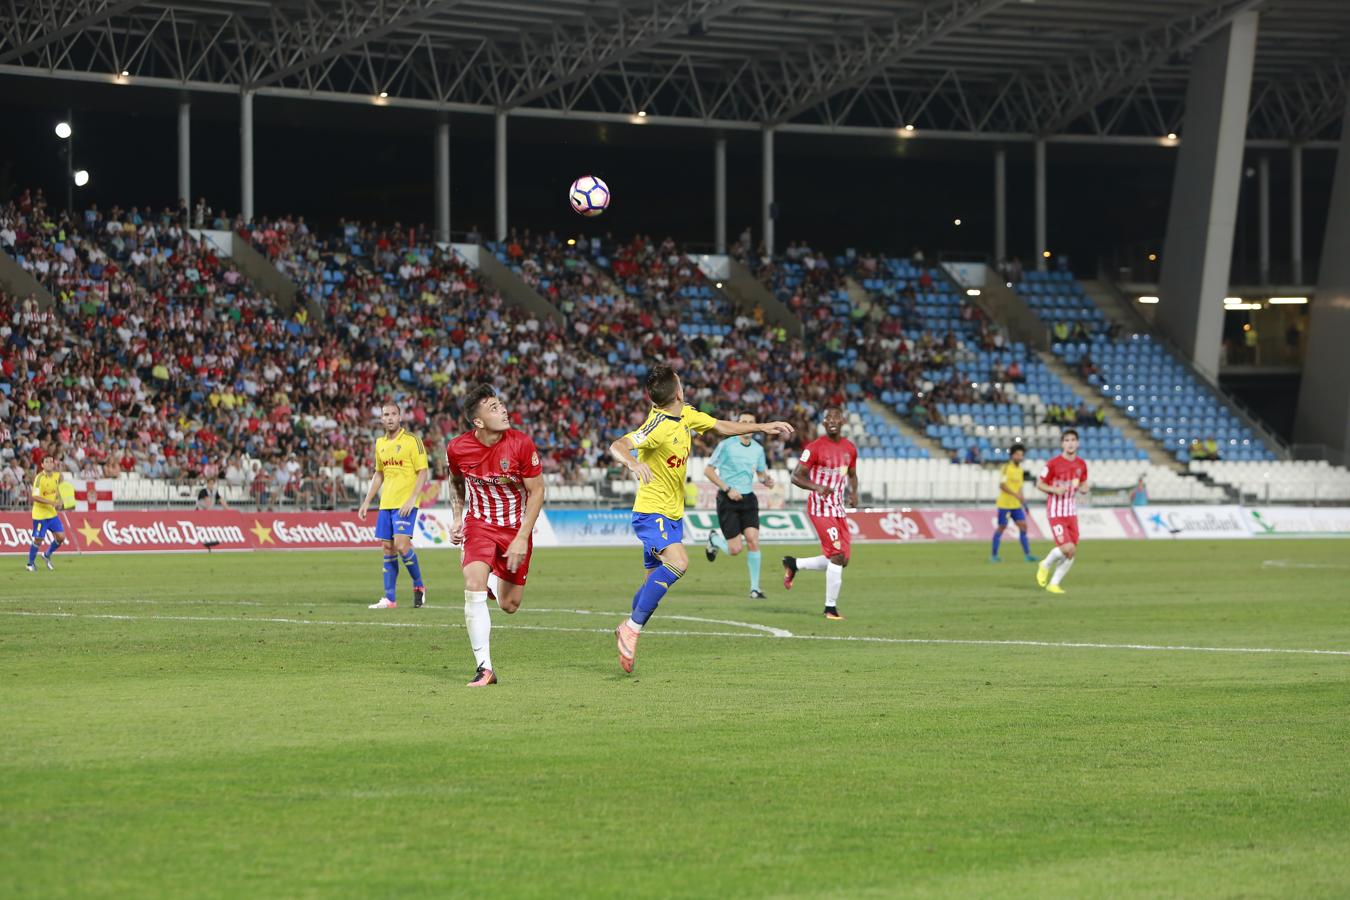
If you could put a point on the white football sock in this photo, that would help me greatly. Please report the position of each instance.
(834, 580)
(1063, 570)
(1053, 559)
(814, 563)
(494, 584)
(633, 625)
(478, 621)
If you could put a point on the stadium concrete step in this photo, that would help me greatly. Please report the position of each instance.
(513, 288)
(1001, 304)
(1128, 427)
(267, 278)
(888, 415)
(17, 282)
(1113, 305)
(857, 294)
(748, 293)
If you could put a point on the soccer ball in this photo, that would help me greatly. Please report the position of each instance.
(589, 195)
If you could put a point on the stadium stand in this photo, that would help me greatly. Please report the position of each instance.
(1138, 375)
(1267, 481)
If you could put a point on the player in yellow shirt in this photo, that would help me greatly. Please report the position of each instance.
(1010, 502)
(400, 474)
(657, 454)
(46, 521)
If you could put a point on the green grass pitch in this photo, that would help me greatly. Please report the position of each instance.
(241, 725)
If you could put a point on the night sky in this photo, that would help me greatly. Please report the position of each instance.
(325, 160)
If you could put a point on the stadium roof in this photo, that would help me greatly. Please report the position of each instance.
(1092, 70)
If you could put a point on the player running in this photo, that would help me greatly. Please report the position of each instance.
(662, 446)
(46, 496)
(1062, 479)
(499, 491)
(733, 468)
(1011, 503)
(400, 474)
(828, 465)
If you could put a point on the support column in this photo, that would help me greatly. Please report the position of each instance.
(443, 180)
(185, 154)
(246, 155)
(1263, 212)
(766, 165)
(720, 195)
(1041, 240)
(499, 181)
(1202, 216)
(1000, 205)
(1296, 212)
(1323, 415)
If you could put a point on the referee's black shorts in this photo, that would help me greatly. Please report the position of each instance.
(734, 516)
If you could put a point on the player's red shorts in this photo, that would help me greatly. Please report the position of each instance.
(1064, 530)
(834, 535)
(488, 543)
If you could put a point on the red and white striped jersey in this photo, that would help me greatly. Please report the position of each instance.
(1062, 472)
(829, 462)
(494, 477)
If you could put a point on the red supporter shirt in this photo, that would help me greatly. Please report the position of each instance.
(1061, 472)
(828, 462)
(494, 477)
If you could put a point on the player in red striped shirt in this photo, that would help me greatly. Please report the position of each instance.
(829, 470)
(1061, 480)
(499, 489)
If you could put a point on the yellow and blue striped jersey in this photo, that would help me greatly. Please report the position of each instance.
(664, 443)
(48, 486)
(399, 459)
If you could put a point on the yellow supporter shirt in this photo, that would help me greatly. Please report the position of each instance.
(1012, 475)
(47, 485)
(664, 443)
(399, 459)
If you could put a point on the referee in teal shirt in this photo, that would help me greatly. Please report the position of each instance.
(733, 467)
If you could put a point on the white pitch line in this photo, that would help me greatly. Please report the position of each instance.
(1064, 645)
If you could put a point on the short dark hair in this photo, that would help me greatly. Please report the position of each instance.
(1016, 447)
(474, 399)
(1067, 432)
(831, 406)
(661, 381)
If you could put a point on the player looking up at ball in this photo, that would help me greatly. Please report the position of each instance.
(657, 454)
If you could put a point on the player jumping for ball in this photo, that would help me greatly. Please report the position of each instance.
(828, 466)
(1061, 480)
(733, 468)
(499, 491)
(662, 446)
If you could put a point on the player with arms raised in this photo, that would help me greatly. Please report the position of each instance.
(499, 491)
(1062, 479)
(663, 444)
(400, 474)
(46, 496)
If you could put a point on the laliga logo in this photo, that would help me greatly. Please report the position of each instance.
(900, 526)
(954, 525)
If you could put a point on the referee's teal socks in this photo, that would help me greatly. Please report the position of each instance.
(752, 559)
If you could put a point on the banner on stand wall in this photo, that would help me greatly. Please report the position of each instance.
(1096, 524)
(1192, 522)
(1298, 521)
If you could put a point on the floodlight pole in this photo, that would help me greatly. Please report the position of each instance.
(70, 163)
(767, 166)
(185, 155)
(720, 194)
(1296, 212)
(1000, 204)
(1263, 212)
(246, 155)
(1041, 240)
(500, 174)
(443, 180)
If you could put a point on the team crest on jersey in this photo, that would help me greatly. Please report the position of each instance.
(534, 459)
(506, 466)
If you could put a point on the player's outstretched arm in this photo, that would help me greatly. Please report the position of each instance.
(621, 451)
(732, 429)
